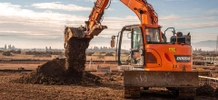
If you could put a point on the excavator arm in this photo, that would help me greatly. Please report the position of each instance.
(95, 17)
(93, 27)
(143, 10)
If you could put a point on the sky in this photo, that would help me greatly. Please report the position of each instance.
(40, 23)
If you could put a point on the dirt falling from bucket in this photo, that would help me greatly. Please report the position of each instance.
(76, 56)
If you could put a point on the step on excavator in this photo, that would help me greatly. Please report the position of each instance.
(153, 60)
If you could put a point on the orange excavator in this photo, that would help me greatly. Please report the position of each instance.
(160, 62)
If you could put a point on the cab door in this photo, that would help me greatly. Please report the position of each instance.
(131, 48)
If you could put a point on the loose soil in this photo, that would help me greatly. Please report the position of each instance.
(54, 73)
(110, 89)
(65, 71)
(52, 78)
(205, 90)
(13, 90)
(7, 53)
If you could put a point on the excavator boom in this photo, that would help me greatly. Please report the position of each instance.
(96, 14)
(93, 27)
(143, 10)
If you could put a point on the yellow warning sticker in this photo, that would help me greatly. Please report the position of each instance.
(172, 49)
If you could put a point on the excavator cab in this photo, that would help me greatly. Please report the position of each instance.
(149, 61)
(131, 48)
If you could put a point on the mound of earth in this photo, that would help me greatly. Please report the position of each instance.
(52, 68)
(65, 71)
(7, 53)
(54, 73)
(118, 76)
(205, 90)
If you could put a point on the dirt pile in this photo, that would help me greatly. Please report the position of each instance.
(54, 73)
(65, 71)
(118, 76)
(52, 68)
(7, 53)
(205, 90)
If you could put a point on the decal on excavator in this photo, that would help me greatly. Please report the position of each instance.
(182, 58)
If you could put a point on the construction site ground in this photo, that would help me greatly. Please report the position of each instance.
(110, 89)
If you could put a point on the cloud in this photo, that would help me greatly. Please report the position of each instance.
(189, 22)
(177, 0)
(15, 15)
(27, 25)
(11, 10)
(95, 0)
(19, 24)
(177, 17)
(213, 11)
(202, 27)
(170, 17)
(89, 0)
(60, 6)
(196, 25)
(204, 24)
(205, 45)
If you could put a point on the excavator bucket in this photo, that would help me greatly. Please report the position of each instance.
(81, 32)
(73, 32)
(96, 30)
(160, 79)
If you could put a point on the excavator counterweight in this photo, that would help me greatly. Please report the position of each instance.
(161, 79)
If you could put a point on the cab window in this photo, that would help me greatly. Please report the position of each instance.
(152, 35)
